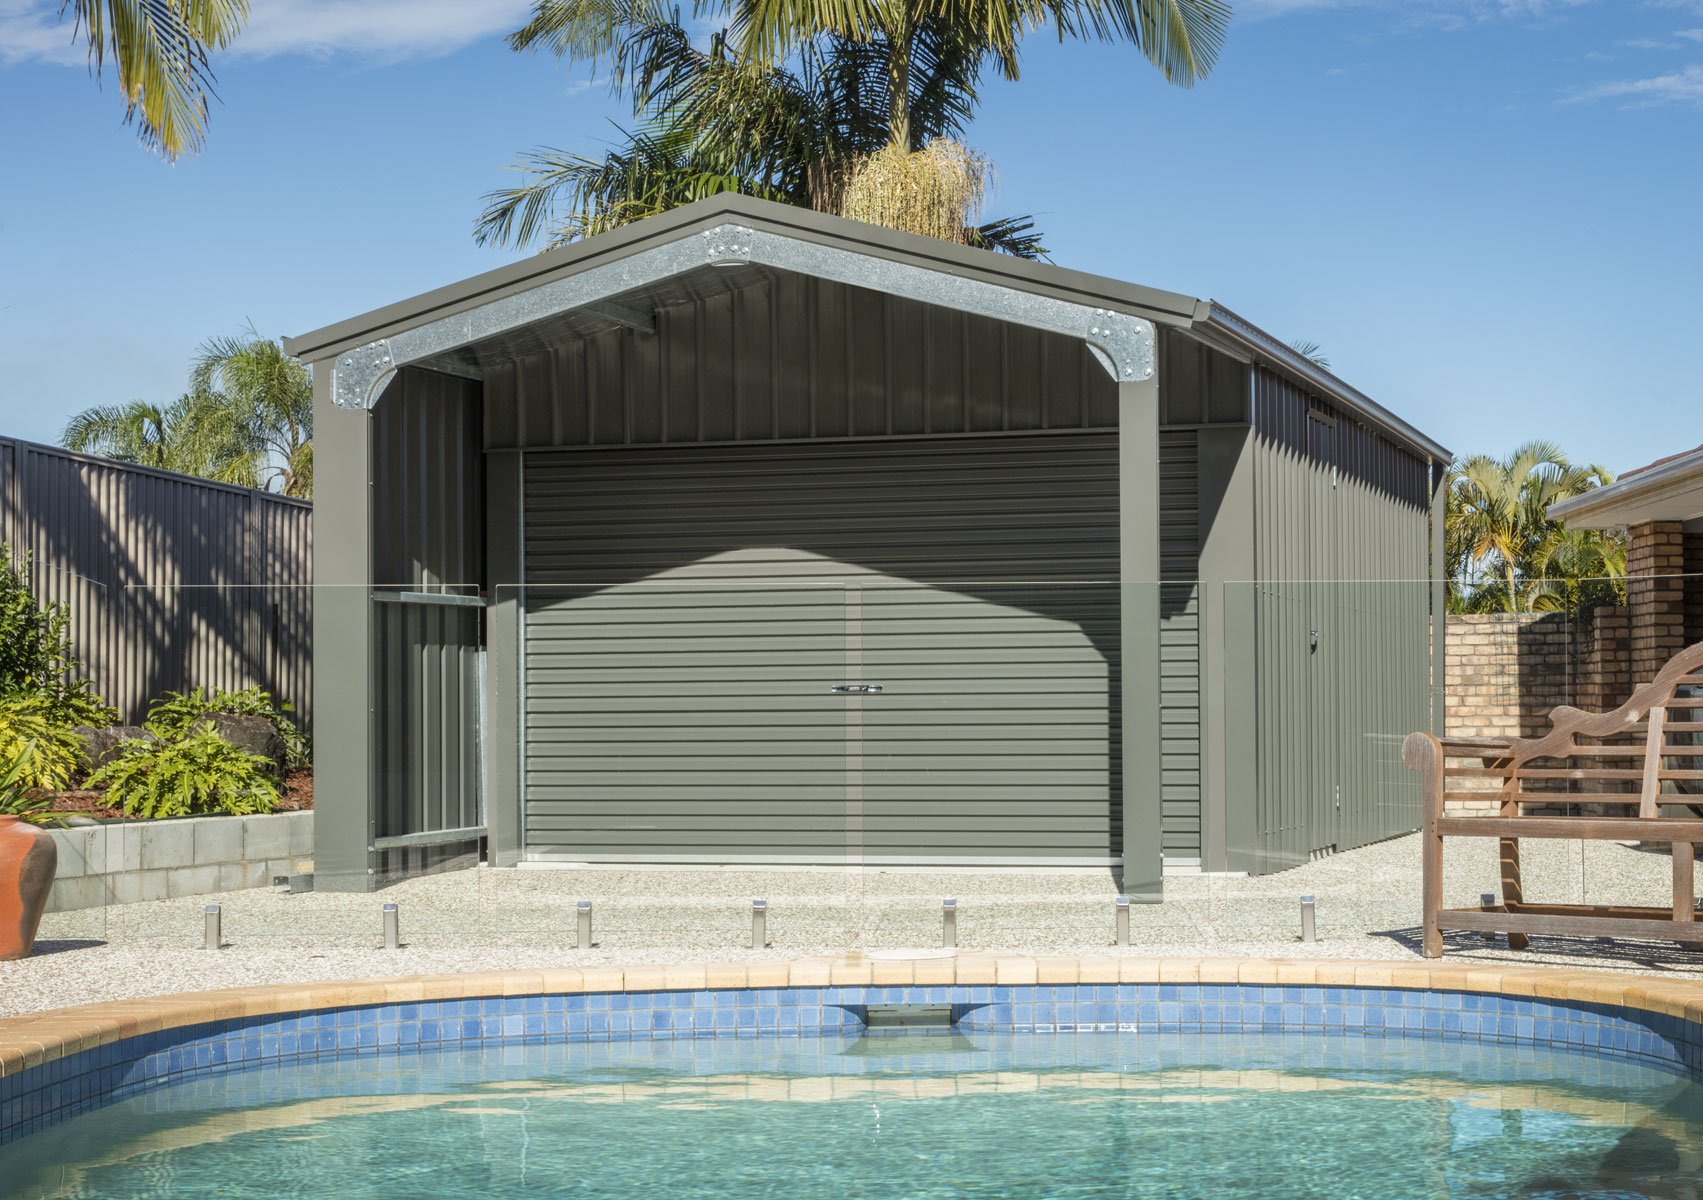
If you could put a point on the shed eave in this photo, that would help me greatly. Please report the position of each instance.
(1669, 491)
(1215, 317)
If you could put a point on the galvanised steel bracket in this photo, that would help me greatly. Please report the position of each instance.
(1122, 343)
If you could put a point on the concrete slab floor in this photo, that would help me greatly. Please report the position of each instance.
(1367, 907)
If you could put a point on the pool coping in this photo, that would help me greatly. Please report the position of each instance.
(37, 1038)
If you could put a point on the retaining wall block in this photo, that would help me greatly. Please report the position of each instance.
(191, 881)
(218, 840)
(167, 844)
(265, 837)
(301, 834)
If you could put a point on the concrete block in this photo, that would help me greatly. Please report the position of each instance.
(124, 887)
(124, 851)
(218, 840)
(80, 851)
(265, 837)
(191, 881)
(235, 877)
(153, 885)
(168, 844)
(301, 833)
(68, 895)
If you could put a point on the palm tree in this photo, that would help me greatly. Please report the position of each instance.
(794, 105)
(1504, 552)
(247, 419)
(256, 402)
(160, 49)
(172, 437)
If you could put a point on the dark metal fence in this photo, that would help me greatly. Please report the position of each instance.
(172, 582)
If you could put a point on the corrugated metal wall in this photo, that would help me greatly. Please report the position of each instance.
(798, 358)
(172, 582)
(1198, 386)
(428, 508)
(1179, 642)
(1341, 610)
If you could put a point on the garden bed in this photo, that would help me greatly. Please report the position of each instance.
(82, 802)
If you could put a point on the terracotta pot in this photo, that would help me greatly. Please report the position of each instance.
(28, 860)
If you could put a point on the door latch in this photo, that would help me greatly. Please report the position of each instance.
(855, 689)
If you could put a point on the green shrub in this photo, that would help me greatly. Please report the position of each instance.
(186, 776)
(35, 650)
(17, 799)
(45, 752)
(176, 713)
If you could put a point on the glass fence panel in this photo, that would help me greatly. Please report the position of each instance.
(1311, 689)
(854, 752)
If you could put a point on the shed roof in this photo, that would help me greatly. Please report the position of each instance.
(1669, 489)
(1205, 319)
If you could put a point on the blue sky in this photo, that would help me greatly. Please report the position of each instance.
(1485, 211)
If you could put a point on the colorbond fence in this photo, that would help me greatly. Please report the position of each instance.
(172, 582)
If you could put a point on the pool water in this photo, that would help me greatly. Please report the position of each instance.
(1011, 1116)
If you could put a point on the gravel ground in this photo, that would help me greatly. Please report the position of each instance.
(1367, 905)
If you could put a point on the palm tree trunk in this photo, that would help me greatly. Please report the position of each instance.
(900, 34)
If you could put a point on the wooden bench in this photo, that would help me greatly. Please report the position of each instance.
(1642, 762)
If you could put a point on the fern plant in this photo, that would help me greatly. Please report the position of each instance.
(176, 713)
(17, 798)
(192, 775)
(37, 743)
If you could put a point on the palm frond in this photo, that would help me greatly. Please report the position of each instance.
(1016, 236)
(160, 50)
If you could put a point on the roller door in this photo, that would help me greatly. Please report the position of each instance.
(704, 628)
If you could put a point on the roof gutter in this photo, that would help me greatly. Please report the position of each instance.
(1646, 483)
(1262, 345)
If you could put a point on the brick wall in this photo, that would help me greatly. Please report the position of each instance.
(1655, 592)
(1505, 671)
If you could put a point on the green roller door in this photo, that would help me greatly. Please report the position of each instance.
(689, 612)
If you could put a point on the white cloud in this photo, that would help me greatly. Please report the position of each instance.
(1684, 86)
(30, 30)
(383, 30)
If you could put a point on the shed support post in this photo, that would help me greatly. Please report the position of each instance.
(342, 645)
(1138, 556)
(502, 656)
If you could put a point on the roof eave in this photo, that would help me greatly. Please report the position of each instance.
(1262, 345)
(1608, 507)
(1168, 308)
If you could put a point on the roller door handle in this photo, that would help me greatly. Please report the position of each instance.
(855, 689)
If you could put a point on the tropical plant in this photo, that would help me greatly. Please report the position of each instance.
(1504, 553)
(792, 101)
(182, 436)
(36, 658)
(196, 774)
(246, 420)
(256, 402)
(17, 797)
(45, 751)
(160, 49)
(1312, 352)
(177, 713)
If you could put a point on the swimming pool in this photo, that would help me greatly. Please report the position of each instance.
(1192, 1088)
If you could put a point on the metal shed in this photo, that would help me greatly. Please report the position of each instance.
(746, 534)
